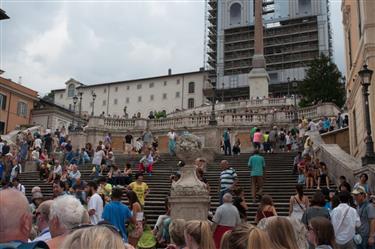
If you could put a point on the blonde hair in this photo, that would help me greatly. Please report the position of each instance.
(201, 232)
(95, 237)
(176, 231)
(281, 233)
(245, 236)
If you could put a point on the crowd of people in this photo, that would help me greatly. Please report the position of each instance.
(92, 214)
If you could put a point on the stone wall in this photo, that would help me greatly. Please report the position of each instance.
(339, 137)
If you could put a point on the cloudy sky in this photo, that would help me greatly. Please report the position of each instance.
(46, 42)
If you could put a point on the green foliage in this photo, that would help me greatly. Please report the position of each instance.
(323, 83)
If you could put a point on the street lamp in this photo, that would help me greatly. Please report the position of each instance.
(93, 102)
(213, 120)
(125, 113)
(366, 75)
(79, 111)
(75, 100)
(294, 85)
(288, 87)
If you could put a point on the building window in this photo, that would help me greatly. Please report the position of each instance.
(304, 6)
(139, 86)
(235, 14)
(116, 89)
(104, 102)
(61, 95)
(22, 109)
(190, 103)
(127, 87)
(233, 81)
(71, 90)
(165, 83)
(3, 101)
(151, 97)
(139, 98)
(177, 94)
(127, 100)
(178, 81)
(164, 96)
(105, 90)
(151, 84)
(191, 87)
(115, 101)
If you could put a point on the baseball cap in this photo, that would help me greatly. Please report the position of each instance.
(359, 190)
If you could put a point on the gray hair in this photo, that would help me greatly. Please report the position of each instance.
(68, 210)
(227, 197)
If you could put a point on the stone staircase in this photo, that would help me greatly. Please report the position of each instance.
(279, 183)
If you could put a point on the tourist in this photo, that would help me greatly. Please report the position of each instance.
(240, 203)
(137, 228)
(198, 235)
(128, 141)
(162, 224)
(321, 234)
(298, 203)
(257, 167)
(257, 139)
(312, 126)
(316, 208)
(38, 142)
(146, 162)
(58, 188)
(36, 198)
(172, 136)
(266, 208)
(44, 170)
(280, 231)
(296, 161)
(74, 175)
(345, 220)
(176, 233)
(114, 175)
(104, 188)
(363, 178)
(273, 138)
(282, 139)
(56, 172)
(16, 170)
(323, 175)
(226, 218)
(366, 212)
(108, 139)
(117, 213)
(344, 185)
(308, 147)
(18, 186)
(147, 138)
(98, 157)
(266, 143)
(246, 236)
(237, 145)
(140, 188)
(226, 140)
(288, 141)
(95, 203)
(228, 179)
(16, 221)
(95, 237)
(42, 220)
(78, 190)
(83, 157)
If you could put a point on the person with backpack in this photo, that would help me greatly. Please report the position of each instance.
(345, 220)
(16, 222)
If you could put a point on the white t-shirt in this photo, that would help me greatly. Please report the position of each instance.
(38, 143)
(57, 170)
(20, 187)
(35, 155)
(1, 146)
(95, 203)
(98, 156)
(171, 135)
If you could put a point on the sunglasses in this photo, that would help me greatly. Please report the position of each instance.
(109, 226)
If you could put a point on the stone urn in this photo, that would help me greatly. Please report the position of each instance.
(189, 198)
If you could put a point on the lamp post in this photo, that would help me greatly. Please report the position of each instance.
(213, 121)
(288, 87)
(125, 113)
(79, 111)
(75, 100)
(294, 85)
(222, 98)
(366, 75)
(93, 102)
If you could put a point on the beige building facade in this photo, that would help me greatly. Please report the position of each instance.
(359, 29)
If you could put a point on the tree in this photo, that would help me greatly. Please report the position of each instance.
(322, 83)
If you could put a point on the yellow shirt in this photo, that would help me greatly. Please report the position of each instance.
(140, 190)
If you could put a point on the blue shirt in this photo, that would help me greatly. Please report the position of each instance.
(117, 214)
(256, 164)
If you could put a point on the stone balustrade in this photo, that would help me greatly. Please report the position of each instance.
(267, 117)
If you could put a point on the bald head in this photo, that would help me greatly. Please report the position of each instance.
(15, 216)
(227, 198)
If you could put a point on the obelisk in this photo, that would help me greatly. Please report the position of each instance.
(258, 77)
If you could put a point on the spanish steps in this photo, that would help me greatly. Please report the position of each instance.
(279, 183)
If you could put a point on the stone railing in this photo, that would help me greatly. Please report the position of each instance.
(267, 118)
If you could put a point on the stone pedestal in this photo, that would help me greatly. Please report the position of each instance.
(258, 80)
(78, 139)
(189, 198)
(30, 166)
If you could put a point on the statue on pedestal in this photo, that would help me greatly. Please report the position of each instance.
(189, 198)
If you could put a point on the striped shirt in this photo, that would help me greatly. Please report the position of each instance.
(227, 178)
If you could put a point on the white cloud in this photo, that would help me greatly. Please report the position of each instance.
(49, 45)
(140, 51)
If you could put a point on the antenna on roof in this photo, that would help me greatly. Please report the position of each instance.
(20, 80)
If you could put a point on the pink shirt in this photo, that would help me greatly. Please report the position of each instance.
(257, 137)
